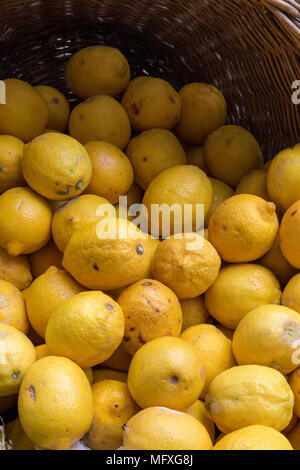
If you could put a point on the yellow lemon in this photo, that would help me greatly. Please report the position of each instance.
(194, 312)
(151, 310)
(166, 372)
(282, 179)
(204, 110)
(97, 70)
(18, 354)
(134, 196)
(188, 266)
(276, 262)
(15, 269)
(100, 118)
(56, 166)
(195, 156)
(74, 215)
(46, 294)
(113, 407)
(254, 182)
(58, 107)
(254, 437)
(266, 336)
(12, 307)
(199, 412)
(221, 192)
(294, 437)
(290, 295)
(25, 113)
(151, 103)
(152, 152)
(11, 153)
(41, 351)
(112, 171)
(230, 153)
(240, 288)
(250, 394)
(25, 221)
(102, 373)
(294, 382)
(289, 235)
(42, 259)
(243, 228)
(158, 428)
(55, 403)
(178, 185)
(114, 257)
(213, 348)
(120, 360)
(87, 328)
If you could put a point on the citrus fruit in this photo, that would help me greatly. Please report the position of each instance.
(58, 107)
(12, 307)
(11, 153)
(255, 437)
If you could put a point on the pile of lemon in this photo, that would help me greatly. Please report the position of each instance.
(178, 343)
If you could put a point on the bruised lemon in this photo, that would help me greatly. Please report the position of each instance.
(58, 107)
(158, 428)
(112, 171)
(151, 310)
(250, 394)
(100, 118)
(107, 259)
(18, 354)
(25, 221)
(188, 265)
(152, 152)
(204, 110)
(151, 103)
(97, 70)
(266, 336)
(12, 307)
(25, 113)
(289, 235)
(113, 407)
(55, 403)
(255, 437)
(11, 153)
(243, 228)
(166, 372)
(42, 259)
(87, 328)
(56, 166)
(15, 269)
(230, 153)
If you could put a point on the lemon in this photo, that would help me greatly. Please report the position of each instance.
(194, 312)
(289, 235)
(243, 228)
(11, 153)
(120, 360)
(294, 437)
(266, 336)
(250, 394)
(290, 295)
(199, 412)
(254, 182)
(294, 382)
(157, 428)
(15, 269)
(276, 262)
(167, 372)
(221, 192)
(58, 108)
(12, 307)
(43, 259)
(18, 354)
(254, 437)
(25, 221)
(55, 403)
(87, 328)
(195, 156)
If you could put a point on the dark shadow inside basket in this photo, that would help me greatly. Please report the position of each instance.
(180, 41)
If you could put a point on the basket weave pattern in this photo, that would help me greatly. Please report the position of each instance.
(249, 49)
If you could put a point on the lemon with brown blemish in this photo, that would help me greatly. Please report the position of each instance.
(25, 221)
(100, 118)
(18, 355)
(166, 372)
(151, 103)
(266, 336)
(58, 107)
(204, 109)
(254, 437)
(152, 152)
(112, 174)
(25, 113)
(113, 407)
(87, 328)
(12, 307)
(15, 269)
(44, 258)
(74, 215)
(108, 256)
(248, 395)
(230, 153)
(151, 310)
(97, 70)
(55, 403)
(56, 166)
(11, 153)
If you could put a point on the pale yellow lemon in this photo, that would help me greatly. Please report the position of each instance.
(254, 437)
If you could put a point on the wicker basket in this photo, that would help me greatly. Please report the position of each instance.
(249, 49)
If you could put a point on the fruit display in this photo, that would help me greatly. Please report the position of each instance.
(149, 268)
